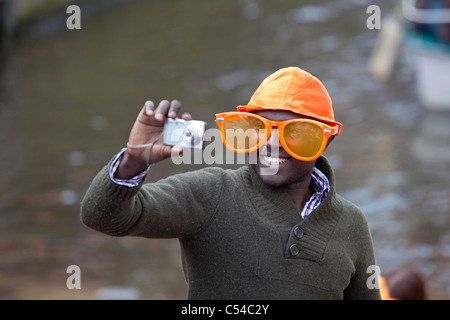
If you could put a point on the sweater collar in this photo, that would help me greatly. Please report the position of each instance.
(276, 206)
(322, 164)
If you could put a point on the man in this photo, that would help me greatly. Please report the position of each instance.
(275, 229)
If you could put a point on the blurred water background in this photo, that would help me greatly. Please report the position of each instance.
(68, 99)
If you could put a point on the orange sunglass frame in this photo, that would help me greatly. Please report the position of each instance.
(327, 132)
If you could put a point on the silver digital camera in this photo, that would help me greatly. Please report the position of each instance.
(184, 133)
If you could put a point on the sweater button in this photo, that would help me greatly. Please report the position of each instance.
(294, 250)
(298, 232)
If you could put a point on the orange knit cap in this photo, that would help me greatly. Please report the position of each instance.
(295, 90)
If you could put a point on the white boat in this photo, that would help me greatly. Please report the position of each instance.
(431, 56)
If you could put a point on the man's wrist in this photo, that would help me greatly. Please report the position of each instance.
(131, 181)
(130, 166)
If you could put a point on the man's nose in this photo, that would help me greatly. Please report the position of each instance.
(273, 141)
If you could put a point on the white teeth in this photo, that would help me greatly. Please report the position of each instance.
(271, 160)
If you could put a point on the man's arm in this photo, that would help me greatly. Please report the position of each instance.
(360, 287)
(178, 206)
(174, 207)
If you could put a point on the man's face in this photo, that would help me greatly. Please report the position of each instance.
(274, 165)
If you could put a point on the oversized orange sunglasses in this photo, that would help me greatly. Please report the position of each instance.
(303, 139)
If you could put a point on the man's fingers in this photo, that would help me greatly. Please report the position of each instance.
(175, 107)
(161, 110)
(186, 116)
(149, 107)
(164, 109)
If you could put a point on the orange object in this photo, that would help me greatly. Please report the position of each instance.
(384, 289)
(304, 139)
(295, 90)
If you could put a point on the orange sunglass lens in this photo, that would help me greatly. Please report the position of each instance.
(303, 139)
(242, 132)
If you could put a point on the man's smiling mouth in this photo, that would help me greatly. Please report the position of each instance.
(273, 160)
(272, 156)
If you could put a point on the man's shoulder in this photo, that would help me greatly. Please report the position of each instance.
(351, 211)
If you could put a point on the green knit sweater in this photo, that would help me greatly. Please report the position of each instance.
(236, 234)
